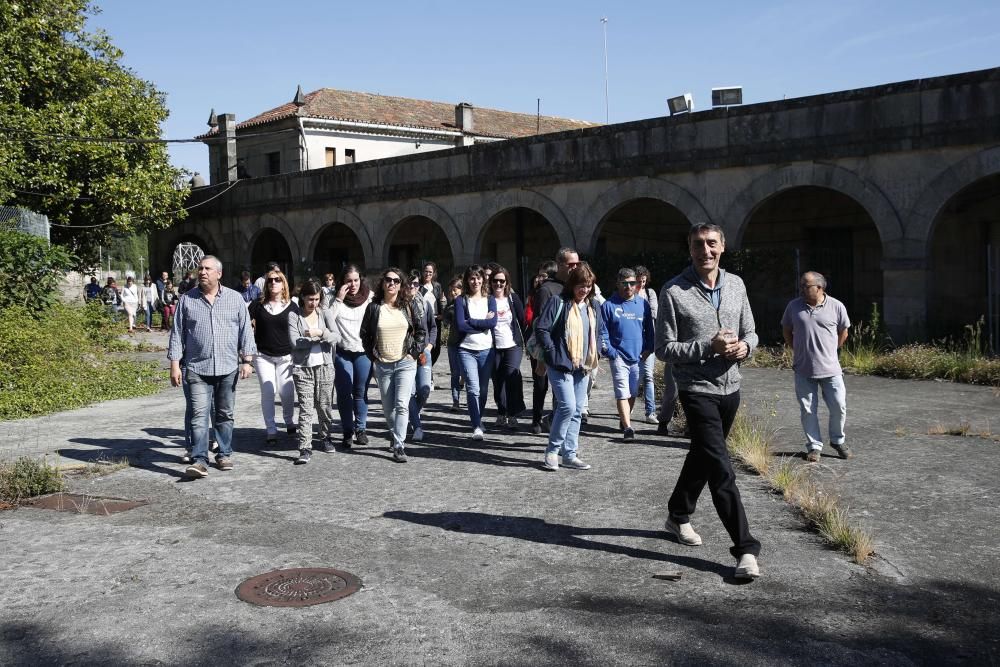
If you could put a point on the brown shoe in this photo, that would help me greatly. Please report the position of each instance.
(223, 463)
(196, 471)
(842, 450)
(812, 456)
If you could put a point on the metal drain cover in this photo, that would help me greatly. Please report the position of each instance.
(298, 587)
(84, 504)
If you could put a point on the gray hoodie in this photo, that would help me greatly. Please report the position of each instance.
(686, 323)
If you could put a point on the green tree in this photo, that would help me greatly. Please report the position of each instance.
(59, 80)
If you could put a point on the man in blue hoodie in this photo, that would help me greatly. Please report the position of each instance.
(627, 341)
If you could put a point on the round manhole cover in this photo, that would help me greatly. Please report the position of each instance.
(299, 587)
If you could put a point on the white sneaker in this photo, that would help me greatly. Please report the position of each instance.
(747, 568)
(683, 532)
(551, 461)
(651, 419)
(418, 435)
(477, 433)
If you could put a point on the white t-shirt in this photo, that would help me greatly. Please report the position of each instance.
(504, 334)
(481, 340)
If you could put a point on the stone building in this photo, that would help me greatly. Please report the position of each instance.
(891, 191)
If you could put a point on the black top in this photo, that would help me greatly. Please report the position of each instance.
(271, 331)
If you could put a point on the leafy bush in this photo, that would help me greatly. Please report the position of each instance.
(62, 358)
(28, 477)
(30, 270)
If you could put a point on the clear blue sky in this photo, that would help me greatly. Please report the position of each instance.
(246, 57)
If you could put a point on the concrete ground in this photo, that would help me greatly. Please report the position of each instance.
(471, 554)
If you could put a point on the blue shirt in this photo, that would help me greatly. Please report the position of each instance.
(629, 327)
(209, 338)
(250, 293)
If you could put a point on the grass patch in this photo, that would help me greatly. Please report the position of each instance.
(750, 442)
(26, 478)
(771, 356)
(99, 467)
(66, 358)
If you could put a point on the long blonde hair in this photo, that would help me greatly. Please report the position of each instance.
(265, 294)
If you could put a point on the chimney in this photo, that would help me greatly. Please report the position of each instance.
(227, 145)
(463, 117)
(464, 122)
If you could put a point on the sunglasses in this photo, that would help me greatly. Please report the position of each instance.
(415, 285)
(499, 281)
(629, 283)
(391, 281)
(275, 280)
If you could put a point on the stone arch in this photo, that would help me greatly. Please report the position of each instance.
(425, 209)
(196, 232)
(529, 199)
(269, 223)
(832, 177)
(946, 186)
(632, 189)
(341, 216)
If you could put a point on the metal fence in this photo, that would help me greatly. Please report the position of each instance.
(993, 297)
(13, 218)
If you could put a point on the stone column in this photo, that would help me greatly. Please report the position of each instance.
(904, 297)
(227, 147)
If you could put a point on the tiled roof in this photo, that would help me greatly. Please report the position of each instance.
(402, 111)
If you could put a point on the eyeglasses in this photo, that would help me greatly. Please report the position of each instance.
(629, 283)
(275, 279)
(391, 281)
(572, 265)
(415, 285)
(804, 286)
(499, 281)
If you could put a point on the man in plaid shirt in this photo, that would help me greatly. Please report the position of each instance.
(213, 341)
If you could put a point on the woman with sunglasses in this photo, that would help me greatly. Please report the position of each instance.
(454, 338)
(313, 336)
(475, 317)
(422, 390)
(569, 329)
(508, 341)
(394, 336)
(351, 363)
(270, 316)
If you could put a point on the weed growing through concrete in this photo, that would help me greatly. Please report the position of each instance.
(750, 442)
(103, 465)
(28, 477)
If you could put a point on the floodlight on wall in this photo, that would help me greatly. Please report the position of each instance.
(681, 104)
(727, 96)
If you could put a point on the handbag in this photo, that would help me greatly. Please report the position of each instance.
(534, 348)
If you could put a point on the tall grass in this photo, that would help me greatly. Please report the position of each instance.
(751, 443)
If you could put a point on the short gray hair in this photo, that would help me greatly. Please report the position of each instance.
(817, 276)
(215, 260)
(563, 252)
(625, 273)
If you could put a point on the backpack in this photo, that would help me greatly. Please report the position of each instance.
(534, 348)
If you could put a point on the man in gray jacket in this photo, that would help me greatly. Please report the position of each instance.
(704, 329)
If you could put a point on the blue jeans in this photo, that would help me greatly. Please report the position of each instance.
(834, 395)
(211, 396)
(351, 382)
(421, 392)
(188, 430)
(477, 367)
(395, 383)
(649, 389)
(455, 368)
(570, 393)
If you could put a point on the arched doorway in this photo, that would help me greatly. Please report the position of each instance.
(336, 247)
(964, 257)
(808, 228)
(643, 231)
(519, 239)
(416, 240)
(270, 246)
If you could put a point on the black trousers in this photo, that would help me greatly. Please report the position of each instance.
(709, 419)
(539, 388)
(508, 387)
